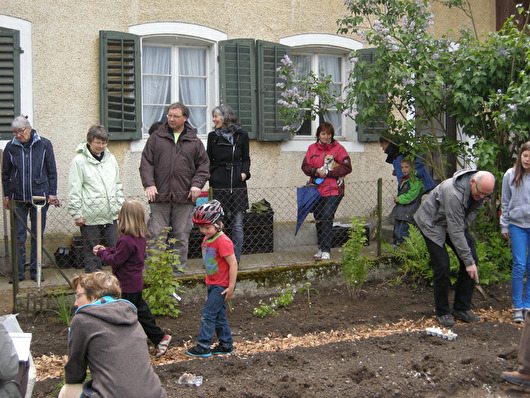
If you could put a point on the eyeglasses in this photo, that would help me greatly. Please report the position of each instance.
(174, 116)
(78, 295)
(487, 195)
(19, 131)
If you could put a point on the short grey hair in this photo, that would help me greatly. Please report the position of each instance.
(20, 122)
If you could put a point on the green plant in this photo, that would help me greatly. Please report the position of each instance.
(308, 289)
(264, 310)
(413, 257)
(64, 309)
(355, 266)
(285, 299)
(159, 281)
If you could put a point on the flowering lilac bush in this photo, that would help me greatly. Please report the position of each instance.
(303, 97)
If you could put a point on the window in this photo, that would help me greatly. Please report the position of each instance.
(328, 54)
(328, 66)
(170, 74)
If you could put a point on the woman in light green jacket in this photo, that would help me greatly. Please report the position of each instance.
(95, 194)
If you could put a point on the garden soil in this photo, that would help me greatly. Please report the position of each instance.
(327, 345)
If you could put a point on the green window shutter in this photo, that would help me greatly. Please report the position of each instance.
(9, 80)
(119, 85)
(237, 70)
(269, 57)
(368, 132)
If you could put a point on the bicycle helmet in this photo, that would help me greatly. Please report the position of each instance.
(209, 213)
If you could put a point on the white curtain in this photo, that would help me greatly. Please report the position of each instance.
(332, 66)
(156, 85)
(192, 85)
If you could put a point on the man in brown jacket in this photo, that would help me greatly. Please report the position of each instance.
(174, 168)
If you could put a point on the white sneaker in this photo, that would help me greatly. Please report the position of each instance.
(318, 256)
(325, 256)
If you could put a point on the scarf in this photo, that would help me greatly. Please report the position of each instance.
(226, 134)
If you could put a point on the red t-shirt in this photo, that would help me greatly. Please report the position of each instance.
(214, 251)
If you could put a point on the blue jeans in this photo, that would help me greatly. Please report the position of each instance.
(22, 209)
(401, 231)
(324, 213)
(520, 239)
(213, 319)
(237, 233)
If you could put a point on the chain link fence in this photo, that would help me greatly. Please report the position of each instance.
(269, 234)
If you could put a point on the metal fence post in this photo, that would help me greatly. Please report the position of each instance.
(379, 215)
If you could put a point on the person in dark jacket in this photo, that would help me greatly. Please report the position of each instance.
(228, 151)
(28, 170)
(395, 156)
(174, 168)
(105, 336)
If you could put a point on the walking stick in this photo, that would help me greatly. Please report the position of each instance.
(41, 202)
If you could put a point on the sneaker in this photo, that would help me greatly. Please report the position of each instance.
(466, 316)
(34, 277)
(161, 348)
(445, 320)
(199, 351)
(318, 256)
(218, 349)
(517, 379)
(525, 311)
(325, 256)
(518, 315)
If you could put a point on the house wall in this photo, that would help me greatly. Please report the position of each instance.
(65, 90)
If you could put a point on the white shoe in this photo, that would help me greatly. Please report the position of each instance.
(318, 256)
(325, 256)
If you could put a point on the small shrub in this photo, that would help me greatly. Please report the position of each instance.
(285, 299)
(159, 281)
(355, 266)
(264, 310)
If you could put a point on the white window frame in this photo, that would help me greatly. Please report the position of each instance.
(325, 45)
(187, 35)
(26, 67)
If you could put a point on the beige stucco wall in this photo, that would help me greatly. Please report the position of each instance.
(66, 68)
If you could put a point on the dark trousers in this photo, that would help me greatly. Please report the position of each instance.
(23, 209)
(93, 235)
(440, 264)
(324, 213)
(146, 319)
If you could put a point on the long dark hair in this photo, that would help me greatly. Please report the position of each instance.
(519, 170)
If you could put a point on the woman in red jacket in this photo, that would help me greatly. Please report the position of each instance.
(326, 162)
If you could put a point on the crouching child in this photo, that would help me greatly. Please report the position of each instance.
(220, 264)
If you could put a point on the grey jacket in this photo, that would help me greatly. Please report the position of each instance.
(106, 337)
(515, 202)
(446, 211)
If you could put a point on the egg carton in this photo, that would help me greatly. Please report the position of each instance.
(444, 333)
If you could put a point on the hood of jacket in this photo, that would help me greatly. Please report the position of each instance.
(111, 310)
